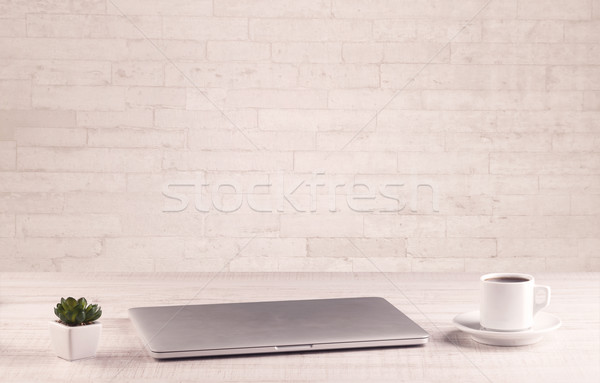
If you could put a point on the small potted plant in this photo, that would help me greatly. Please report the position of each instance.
(76, 334)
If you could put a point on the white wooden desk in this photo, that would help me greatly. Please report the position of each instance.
(571, 354)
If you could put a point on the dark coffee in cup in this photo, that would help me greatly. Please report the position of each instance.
(507, 279)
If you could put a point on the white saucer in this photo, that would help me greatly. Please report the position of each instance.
(469, 323)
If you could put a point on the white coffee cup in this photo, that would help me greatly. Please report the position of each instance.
(508, 301)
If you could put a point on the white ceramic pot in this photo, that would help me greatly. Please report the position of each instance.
(77, 342)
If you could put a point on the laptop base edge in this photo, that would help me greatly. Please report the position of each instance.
(287, 348)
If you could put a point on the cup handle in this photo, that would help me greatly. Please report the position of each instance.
(545, 303)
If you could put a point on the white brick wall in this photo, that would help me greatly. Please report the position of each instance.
(104, 102)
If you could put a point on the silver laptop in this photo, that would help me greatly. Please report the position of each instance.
(272, 327)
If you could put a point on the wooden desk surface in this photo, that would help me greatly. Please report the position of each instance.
(571, 354)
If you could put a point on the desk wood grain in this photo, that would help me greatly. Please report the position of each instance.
(431, 299)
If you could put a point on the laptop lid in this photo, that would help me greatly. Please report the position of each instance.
(279, 326)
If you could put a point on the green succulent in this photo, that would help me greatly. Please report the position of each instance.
(76, 312)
